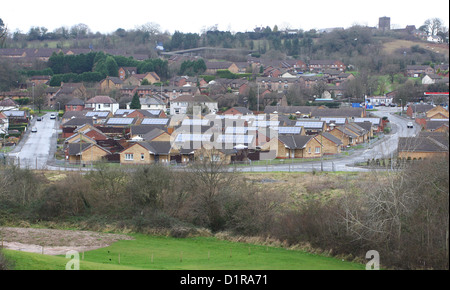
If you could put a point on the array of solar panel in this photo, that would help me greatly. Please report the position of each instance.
(154, 121)
(154, 112)
(195, 122)
(235, 139)
(123, 111)
(239, 130)
(265, 123)
(120, 121)
(375, 121)
(14, 113)
(193, 137)
(98, 114)
(309, 124)
(334, 120)
(289, 130)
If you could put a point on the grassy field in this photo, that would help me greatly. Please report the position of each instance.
(201, 253)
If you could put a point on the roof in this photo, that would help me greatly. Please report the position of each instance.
(294, 141)
(75, 102)
(332, 138)
(421, 144)
(100, 100)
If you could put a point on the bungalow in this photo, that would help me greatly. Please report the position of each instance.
(425, 145)
(331, 144)
(146, 153)
(418, 110)
(347, 137)
(437, 112)
(436, 125)
(8, 104)
(294, 146)
(85, 153)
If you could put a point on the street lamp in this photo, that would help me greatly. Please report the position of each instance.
(401, 107)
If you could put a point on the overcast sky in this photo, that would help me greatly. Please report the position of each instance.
(234, 15)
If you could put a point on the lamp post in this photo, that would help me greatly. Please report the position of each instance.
(401, 107)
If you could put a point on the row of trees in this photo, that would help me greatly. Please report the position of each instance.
(404, 217)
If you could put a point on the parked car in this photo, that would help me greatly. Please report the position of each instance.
(52, 116)
(39, 119)
(410, 125)
(34, 130)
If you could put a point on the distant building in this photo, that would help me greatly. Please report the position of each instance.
(384, 23)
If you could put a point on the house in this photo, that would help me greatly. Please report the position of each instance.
(238, 111)
(418, 110)
(437, 112)
(137, 79)
(8, 104)
(102, 103)
(436, 125)
(144, 153)
(311, 127)
(213, 66)
(321, 65)
(110, 83)
(150, 103)
(416, 71)
(85, 153)
(378, 100)
(426, 145)
(125, 72)
(4, 124)
(377, 124)
(331, 144)
(347, 137)
(71, 125)
(207, 154)
(75, 104)
(181, 104)
(429, 79)
(119, 122)
(294, 146)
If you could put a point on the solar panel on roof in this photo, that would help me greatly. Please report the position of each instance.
(123, 111)
(154, 121)
(120, 121)
(289, 130)
(306, 124)
(193, 137)
(190, 122)
(335, 120)
(238, 139)
(98, 114)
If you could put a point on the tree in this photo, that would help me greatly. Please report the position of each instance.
(3, 33)
(432, 26)
(135, 102)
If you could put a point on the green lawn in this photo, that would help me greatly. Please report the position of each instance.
(200, 253)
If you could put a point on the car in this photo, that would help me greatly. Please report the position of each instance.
(52, 116)
(34, 130)
(39, 119)
(410, 125)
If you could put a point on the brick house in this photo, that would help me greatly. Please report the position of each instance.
(321, 65)
(294, 146)
(110, 83)
(85, 153)
(426, 145)
(75, 104)
(146, 153)
(213, 66)
(125, 72)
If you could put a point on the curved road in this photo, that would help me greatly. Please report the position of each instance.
(36, 150)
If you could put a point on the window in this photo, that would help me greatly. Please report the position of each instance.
(309, 150)
(142, 156)
(317, 150)
(129, 156)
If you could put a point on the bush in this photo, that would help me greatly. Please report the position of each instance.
(4, 263)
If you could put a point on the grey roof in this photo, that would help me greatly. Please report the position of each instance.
(421, 144)
(158, 148)
(332, 138)
(433, 125)
(155, 132)
(74, 148)
(75, 102)
(78, 122)
(294, 141)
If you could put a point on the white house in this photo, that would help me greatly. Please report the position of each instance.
(150, 103)
(4, 123)
(102, 103)
(378, 100)
(8, 105)
(181, 104)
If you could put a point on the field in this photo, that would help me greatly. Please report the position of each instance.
(391, 46)
(196, 253)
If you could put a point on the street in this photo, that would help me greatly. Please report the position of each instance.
(33, 151)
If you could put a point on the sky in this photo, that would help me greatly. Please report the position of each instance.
(231, 15)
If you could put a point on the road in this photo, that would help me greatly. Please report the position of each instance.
(37, 149)
(34, 150)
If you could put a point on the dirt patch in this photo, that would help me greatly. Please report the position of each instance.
(55, 242)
